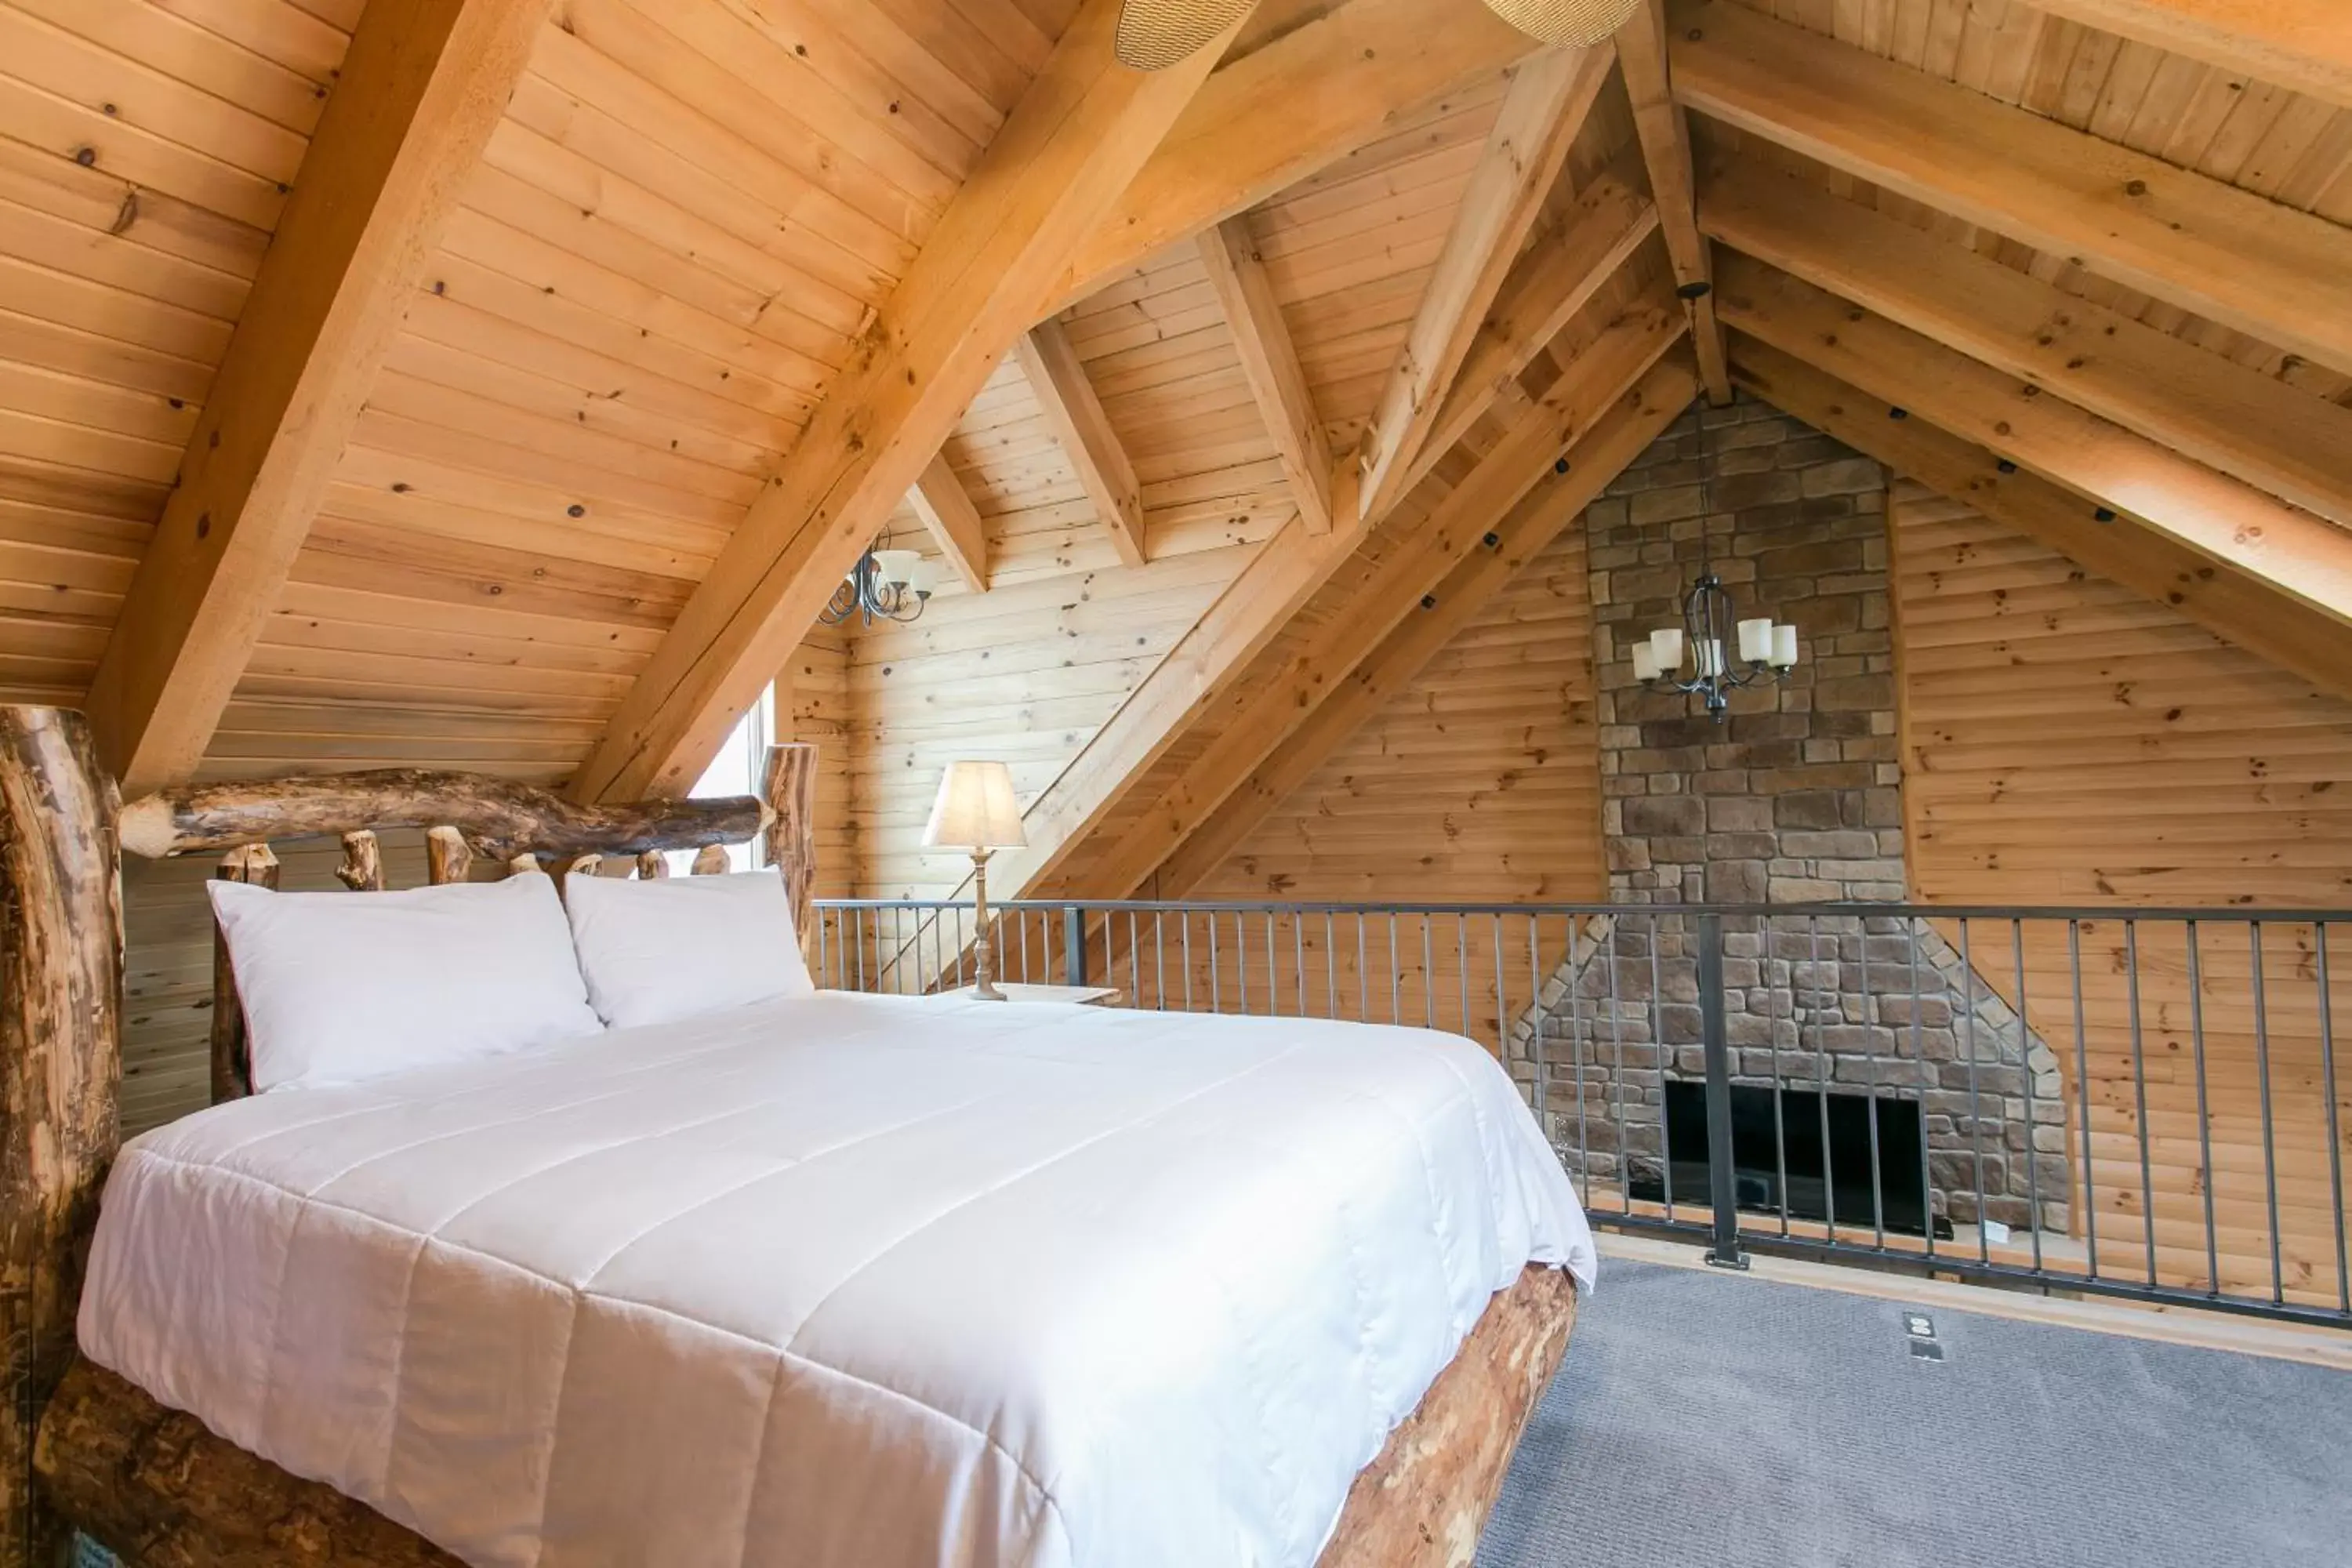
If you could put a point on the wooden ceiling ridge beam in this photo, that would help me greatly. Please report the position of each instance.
(2306, 45)
(1076, 416)
(945, 507)
(2239, 606)
(2229, 255)
(1544, 451)
(1345, 705)
(1301, 101)
(421, 90)
(2224, 414)
(1556, 276)
(2227, 521)
(1269, 361)
(989, 272)
(1542, 112)
(1663, 130)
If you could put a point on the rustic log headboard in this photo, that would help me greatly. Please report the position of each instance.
(62, 833)
(469, 820)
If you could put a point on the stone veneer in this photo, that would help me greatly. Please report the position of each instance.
(1795, 798)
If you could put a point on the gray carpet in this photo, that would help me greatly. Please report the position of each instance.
(1706, 1421)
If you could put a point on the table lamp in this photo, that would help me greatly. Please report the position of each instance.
(976, 811)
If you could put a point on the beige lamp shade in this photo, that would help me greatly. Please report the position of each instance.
(975, 809)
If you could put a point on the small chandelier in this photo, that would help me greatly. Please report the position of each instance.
(1767, 650)
(886, 584)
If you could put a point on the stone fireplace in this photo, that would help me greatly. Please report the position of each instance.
(1795, 798)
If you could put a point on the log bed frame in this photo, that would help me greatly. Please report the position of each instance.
(80, 1447)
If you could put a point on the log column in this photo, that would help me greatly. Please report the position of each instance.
(788, 790)
(61, 1060)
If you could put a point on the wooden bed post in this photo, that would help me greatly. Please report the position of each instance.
(61, 1059)
(788, 788)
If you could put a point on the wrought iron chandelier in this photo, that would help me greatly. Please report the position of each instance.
(886, 584)
(1767, 650)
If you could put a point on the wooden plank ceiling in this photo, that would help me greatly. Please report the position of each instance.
(1261, 352)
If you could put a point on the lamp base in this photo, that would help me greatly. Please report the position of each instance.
(983, 949)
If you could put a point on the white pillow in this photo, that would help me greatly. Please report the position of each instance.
(672, 947)
(339, 987)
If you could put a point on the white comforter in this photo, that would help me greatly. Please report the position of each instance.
(841, 1282)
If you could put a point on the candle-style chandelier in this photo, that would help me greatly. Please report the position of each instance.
(1767, 650)
(886, 584)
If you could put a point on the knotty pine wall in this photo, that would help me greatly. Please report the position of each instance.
(2069, 741)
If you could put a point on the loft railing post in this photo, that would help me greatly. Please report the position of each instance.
(1722, 1187)
(1074, 944)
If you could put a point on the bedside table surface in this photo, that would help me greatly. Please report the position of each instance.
(1067, 996)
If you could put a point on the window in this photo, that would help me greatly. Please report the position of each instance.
(736, 770)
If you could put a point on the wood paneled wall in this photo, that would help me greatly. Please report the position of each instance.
(2070, 742)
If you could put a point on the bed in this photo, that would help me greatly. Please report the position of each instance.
(826, 1280)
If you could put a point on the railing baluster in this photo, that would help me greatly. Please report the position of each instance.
(1926, 1076)
(2025, 1067)
(1502, 1001)
(1184, 931)
(1396, 977)
(1428, 975)
(2139, 1087)
(2204, 1114)
(1976, 1115)
(1330, 966)
(1821, 1070)
(1617, 1041)
(1870, 1057)
(2082, 1101)
(1462, 963)
(1299, 956)
(2335, 1132)
(2269, 1142)
(1659, 1057)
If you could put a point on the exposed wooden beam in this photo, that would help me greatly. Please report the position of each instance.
(1306, 98)
(2282, 275)
(1554, 280)
(940, 498)
(1251, 721)
(420, 91)
(987, 273)
(2223, 414)
(1338, 707)
(2239, 605)
(1270, 364)
(1541, 114)
(1664, 136)
(2210, 512)
(2303, 44)
(1076, 416)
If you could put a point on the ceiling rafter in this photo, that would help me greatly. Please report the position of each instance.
(1298, 103)
(2306, 45)
(1665, 133)
(1270, 365)
(1076, 416)
(1250, 720)
(945, 508)
(2238, 605)
(1378, 667)
(420, 91)
(2238, 258)
(1542, 112)
(1555, 278)
(989, 271)
(2303, 558)
(2223, 414)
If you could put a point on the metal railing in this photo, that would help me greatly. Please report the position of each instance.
(2131, 1102)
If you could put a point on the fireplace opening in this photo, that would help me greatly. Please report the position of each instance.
(1814, 1186)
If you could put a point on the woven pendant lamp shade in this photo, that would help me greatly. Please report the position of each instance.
(1579, 23)
(1155, 34)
